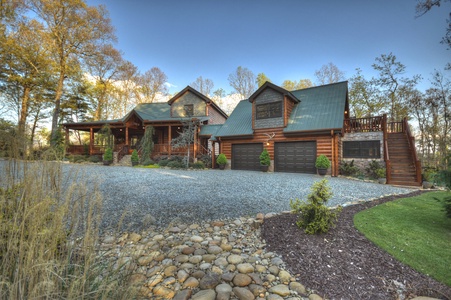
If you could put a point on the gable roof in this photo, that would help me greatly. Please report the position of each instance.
(279, 89)
(239, 122)
(198, 94)
(321, 108)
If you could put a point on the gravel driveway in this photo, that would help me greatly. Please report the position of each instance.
(164, 195)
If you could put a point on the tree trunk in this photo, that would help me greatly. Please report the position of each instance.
(24, 111)
(56, 110)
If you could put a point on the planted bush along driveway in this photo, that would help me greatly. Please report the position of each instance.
(161, 195)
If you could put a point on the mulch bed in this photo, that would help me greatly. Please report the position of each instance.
(343, 264)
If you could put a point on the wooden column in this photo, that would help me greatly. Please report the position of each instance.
(195, 146)
(91, 140)
(126, 135)
(169, 140)
(67, 137)
(213, 154)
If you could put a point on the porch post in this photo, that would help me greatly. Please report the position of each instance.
(213, 154)
(67, 137)
(126, 135)
(195, 144)
(169, 140)
(91, 140)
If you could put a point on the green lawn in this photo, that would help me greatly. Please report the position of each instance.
(414, 230)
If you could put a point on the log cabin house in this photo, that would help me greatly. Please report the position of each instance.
(295, 127)
(167, 120)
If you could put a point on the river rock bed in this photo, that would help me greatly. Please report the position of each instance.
(206, 260)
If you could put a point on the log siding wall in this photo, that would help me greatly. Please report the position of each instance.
(324, 144)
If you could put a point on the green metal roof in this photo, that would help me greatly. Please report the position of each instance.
(321, 107)
(239, 122)
(210, 129)
(152, 111)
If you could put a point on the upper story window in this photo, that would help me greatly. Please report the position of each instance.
(269, 110)
(362, 149)
(189, 109)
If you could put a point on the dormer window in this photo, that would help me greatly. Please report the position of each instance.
(269, 110)
(189, 110)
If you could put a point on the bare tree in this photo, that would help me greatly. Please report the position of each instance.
(203, 86)
(423, 7)
(329, 74)
(243, 81)
(104, 65)
(153, 82)
(392, 84)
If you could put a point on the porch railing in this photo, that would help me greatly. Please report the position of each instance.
(168, 149)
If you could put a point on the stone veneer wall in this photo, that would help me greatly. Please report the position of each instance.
(267, 96)
(362, 163)
(178, 107)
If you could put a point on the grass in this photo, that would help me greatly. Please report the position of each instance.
(147, 167)
(413, 230)
(49, 228)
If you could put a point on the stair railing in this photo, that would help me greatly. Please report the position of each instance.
(386, 154)
(122, 152)
(411, 140)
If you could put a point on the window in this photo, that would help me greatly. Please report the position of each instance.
(269, 110)
(189, 110)
(362, 149)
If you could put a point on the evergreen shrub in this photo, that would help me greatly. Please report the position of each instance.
(314, 216)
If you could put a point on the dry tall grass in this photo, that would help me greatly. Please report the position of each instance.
(49, 228)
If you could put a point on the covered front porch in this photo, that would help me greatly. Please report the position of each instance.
(127, 136)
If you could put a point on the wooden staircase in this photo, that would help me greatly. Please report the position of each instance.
(402, 166)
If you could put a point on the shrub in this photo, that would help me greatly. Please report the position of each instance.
(176, 164)
(222, 159)
(147, 162)
(135, 157)
(322, 162)
(163, 162)
(94, 159)
(348, 169)
(372, 168)
(315, 216)
(446, 203)
(206, 159)
(108, 155)
(381, 173)
(198, 165)
(444, 178)
(265, 160)
(429, 174)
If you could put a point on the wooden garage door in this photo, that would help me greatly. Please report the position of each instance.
(246, 156)
(295, 157)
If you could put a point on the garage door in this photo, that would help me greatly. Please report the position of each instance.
(295, 157)
(246, 156)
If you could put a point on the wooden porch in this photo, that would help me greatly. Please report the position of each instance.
(400, 156)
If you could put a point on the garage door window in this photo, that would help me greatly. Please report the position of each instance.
(362, 149)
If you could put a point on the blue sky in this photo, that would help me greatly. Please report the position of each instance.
(285, 39)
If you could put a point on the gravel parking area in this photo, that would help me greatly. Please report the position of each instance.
(163, 195)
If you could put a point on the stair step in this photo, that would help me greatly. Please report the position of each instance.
(410, 183)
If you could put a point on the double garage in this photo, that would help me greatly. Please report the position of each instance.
(293, 157)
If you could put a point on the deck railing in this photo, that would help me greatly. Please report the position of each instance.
(373, 124)
(369, 124)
